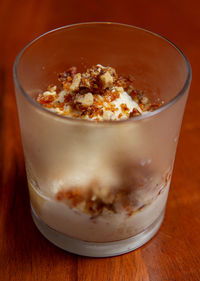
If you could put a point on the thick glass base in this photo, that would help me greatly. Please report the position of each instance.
(92, 249)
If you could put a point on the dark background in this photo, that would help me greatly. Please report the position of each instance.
(174, 254)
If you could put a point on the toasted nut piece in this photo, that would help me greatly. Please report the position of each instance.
(112, 71)
(106, 80)
(85, 100)
(145, 100)
(52, 88)
(49, 93)
(130, 89)
(76, 82)
(119, 89)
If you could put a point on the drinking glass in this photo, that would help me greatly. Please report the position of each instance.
(100, 188)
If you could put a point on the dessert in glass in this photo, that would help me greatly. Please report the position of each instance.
(100, 108)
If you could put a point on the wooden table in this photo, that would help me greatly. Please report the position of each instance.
(174, 253)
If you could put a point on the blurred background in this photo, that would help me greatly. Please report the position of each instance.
(22, 21)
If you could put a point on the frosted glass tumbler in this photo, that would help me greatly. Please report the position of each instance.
(114, 176)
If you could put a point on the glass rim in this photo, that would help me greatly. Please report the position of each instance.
(104, 122)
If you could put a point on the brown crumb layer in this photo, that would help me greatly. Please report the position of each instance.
(97, 201)
(85, 94)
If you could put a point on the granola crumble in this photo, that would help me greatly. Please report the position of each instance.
(97, 94)
(96, 201)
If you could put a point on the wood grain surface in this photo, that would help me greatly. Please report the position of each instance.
(174, 253)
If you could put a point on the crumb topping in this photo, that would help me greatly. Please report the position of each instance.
(95, 200)
(97, 94)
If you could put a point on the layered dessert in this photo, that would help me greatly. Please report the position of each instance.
(102, 193)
